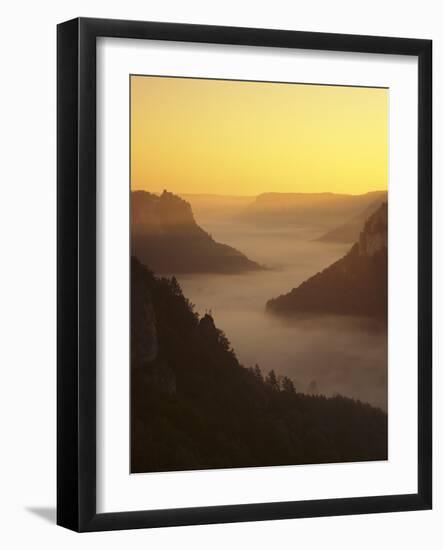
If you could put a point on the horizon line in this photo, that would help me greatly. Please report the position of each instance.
(259, 194)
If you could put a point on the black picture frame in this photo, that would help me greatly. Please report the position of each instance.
(76, 274)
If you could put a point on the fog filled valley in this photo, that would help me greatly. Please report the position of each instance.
(246, 349)
(259, 291)
(322, 353)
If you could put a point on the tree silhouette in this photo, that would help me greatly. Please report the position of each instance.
(194, 406)
(287, 385)
(271, 380)
(258, 373)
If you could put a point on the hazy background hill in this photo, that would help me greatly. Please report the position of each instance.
(354, 285)
(349, 231)
(212, 207)
(328, 354)
(315, 209)
(165, 236)
(194, 406)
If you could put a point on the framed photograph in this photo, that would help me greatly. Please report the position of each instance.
(244, 274)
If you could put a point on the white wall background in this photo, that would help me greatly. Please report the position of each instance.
(27, 275)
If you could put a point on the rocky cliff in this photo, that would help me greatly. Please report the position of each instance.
(357, 284)
(149, 369)
(166, 237)
(374, 237)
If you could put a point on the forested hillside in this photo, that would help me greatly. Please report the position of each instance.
(194, 406)
(356, 284)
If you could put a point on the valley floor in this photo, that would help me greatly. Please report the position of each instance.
(326, 355)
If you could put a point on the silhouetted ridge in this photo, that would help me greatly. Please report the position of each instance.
(354, 285)
(315, 209)
(166, 237)
(193, 406)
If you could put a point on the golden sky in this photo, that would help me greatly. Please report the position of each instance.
(246, 138)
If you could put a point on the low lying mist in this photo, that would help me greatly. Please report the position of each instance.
(324, 355)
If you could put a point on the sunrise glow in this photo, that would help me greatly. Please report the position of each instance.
(246, 138)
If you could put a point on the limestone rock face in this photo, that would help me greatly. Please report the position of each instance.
(166, 238)
(144, 341)
(374, 237)
(148, 367)
(159, 214)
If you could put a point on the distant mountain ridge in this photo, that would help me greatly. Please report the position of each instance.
(165, 236)
(349, 231)
(322, 209)
(354, 285)
(211, 206)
